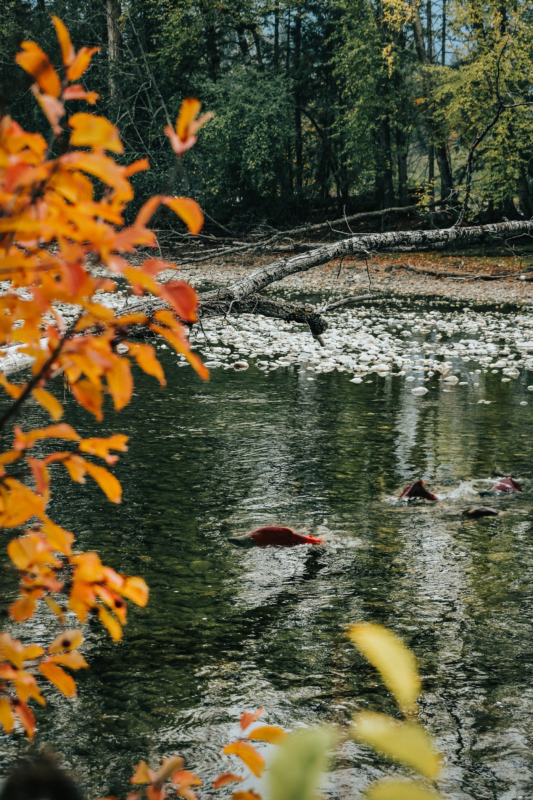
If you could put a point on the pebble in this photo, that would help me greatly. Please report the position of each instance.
(419, 391)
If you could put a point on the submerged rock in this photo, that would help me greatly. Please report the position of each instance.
(480, 511)
(273, 536)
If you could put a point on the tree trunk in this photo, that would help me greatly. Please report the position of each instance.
(276, 34)
(401, 149)
(297, 103)
(113, 45)
(243, 44)
(524, 195)
(441, 148)
(384, 182)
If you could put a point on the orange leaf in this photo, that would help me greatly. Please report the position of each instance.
(55, 608)
(76, 468)
(106, 481)
(137, 166)
(59, 538)
(49, 402)
(68, 640)
(67, 50)
(101, 447)
(268, 733)
(81, 62)
(61, 431)
(145, 356)
(7, 720)
(40, 473)
(89, 396)
(248, 718)
(23, 608)
(182, 346)
(72, 660)
(227, 777)
(182, 778)
(135, 589)
(142, 774)
(36, 62)
(9, 457)
(20, 504)
(182, 298)
(189, 211)
(114, 627)
(77, 92)
(253, 760)
(249, 795)
(12, 389)
(190, 108)
(120, 382)
(61, 679)
(95, 132)
(25, 715)
(53, 109)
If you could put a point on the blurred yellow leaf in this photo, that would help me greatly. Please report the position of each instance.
(268, 733)
(68, 640)
(112, 625)
(403, 741)
(393, 660)
(49, 402)
(64, 682)
(7, 720)
(400, 790)
(297, 769)
(253, 760)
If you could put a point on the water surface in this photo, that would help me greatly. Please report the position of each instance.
(229, 629)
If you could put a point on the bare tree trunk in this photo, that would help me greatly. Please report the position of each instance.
(443, 36)
(276, 34)
(113, 45)
(385, 185)
(297, 102)
(243, 44)
(441, 149)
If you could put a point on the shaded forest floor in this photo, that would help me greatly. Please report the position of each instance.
(476, 277)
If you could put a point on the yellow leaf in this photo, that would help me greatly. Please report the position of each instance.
(106, 481)
(49, 402)
(60, 539)
(393, 660)
(81, 62)
(120, 382)
(68, 640)
(135, 589)
(253, 760)
(225, 778)
(55, 608)
(31, 652)
(95, 132)
(67, 50)
(89, 396)
(7, 720)
(145, 356)
(23, 608)
(268, 733)
(400, 790)
(72, 660)
(61, 431)
(61, 679)
(190, 108)
(189, 211)
(36, 62)
(403, 741)
(114, 627)
(142, 774)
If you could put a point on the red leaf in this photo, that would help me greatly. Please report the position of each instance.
(248, 718)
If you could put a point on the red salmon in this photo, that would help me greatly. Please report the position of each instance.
(417, 489)
(507, 485)
(274, 536)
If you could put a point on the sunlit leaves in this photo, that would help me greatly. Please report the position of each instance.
(183, 137)
(61, 679)
(146, 358)
(296, 771)
(67, 640)
(67, 50)
(49, 402)
(7, 718)
(268, 733)
(402, 741)
(248, 717)
(36, 62)
(400, 790)
(225, 778)
(248, 754)
(189, 211)
(96, 132)
(393, 660)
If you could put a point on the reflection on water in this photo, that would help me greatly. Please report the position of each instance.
(229, 629)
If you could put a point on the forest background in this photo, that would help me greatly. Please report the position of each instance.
(321, 105)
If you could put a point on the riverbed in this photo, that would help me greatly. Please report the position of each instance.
(326, 446)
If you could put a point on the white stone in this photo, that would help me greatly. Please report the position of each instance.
(451, 380)
(418, 391)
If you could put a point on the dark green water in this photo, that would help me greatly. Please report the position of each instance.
(229, 629)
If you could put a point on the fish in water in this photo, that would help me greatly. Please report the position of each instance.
(417, 489)
(480, 511)
(507, 485)
(273, 536)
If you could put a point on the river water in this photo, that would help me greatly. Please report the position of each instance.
(228, 629)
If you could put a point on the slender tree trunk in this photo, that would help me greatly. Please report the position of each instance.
(40, 5)
(441, 149)
(524, 195)
(297, 102)
(243, 44)
(443, 35)
(401, 149)
(385, 184)
(113, 45)
(276, 34)
(431, 169)
(258, 49)
(288, 49)
(211, 42)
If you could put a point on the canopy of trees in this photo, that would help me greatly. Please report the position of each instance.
(320, 104)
